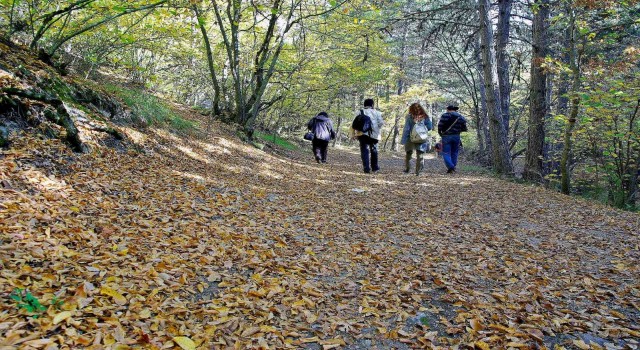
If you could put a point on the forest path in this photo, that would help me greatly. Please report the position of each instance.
(224, 244)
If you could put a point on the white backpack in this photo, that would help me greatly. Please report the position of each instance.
(419, 133)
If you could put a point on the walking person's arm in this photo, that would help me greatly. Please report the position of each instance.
(442, 123)
(428, 123)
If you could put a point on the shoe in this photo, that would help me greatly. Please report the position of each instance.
(451, 171)
(318, 161)
(406, 171)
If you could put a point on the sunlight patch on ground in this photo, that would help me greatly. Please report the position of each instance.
(381, 181)
(215, 149)
(135, 136)
(270, 173)
(167, 135)
(189, 152)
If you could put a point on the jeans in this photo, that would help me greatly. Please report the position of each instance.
(369, 146)
(450, 149)
(320, 149)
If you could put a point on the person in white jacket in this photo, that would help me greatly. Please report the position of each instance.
(369, 141)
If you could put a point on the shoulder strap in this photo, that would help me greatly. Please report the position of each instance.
(452, 124)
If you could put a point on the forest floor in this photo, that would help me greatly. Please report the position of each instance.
(207, 242)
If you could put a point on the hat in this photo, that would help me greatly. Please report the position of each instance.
(452, 108)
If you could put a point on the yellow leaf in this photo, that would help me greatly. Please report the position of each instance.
(145, 313)
(581, 344)
(310, 340)
(117, 297)
(502, 328)
(517, 345)
(61, 317)
(250, 331)
(499, 296)
(334, 341)
(476, 325)
(482, 345)
(267, 329)
(185, 343)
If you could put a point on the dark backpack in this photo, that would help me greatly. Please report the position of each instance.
(362, 123)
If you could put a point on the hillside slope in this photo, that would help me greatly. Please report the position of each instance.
(203, 241)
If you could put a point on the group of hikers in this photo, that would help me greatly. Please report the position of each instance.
(367, 126)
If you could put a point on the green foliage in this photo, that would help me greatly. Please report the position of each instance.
(26, 301)
(277, 140)
(151, 109)
(56, 303)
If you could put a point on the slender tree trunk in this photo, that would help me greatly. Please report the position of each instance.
(335, 141)
(538, 94)
(403, 62)
(394, 135)
(574, 63)
(212, 71)
(483, 118)
(500, 148)
(502, 59)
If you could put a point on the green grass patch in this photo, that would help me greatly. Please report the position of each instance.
(278, 141)
(151, 109)
(470, 168)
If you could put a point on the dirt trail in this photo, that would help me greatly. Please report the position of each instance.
(229, 246)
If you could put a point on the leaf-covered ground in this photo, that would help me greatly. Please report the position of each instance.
(211, 243)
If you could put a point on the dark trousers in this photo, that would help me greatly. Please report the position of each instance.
(369, 147)
(320, 150)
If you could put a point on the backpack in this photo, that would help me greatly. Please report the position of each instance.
(419, 133)
(362, 123)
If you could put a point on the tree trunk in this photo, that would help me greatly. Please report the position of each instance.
(394, 135)
(502, 59)
(212, 71)
(335, 141)
(538, 94)
(403, 62)
(501, 158)
(483, 119)
(574, 63)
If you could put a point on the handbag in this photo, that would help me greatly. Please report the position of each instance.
(308, 136)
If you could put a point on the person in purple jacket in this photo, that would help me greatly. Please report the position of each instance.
(322, 128)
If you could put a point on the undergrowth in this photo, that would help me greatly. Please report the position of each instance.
(151, 109)
(277, 140)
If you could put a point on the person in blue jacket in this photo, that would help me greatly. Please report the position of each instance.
(322, 128)
(450, 126)
(417, 114)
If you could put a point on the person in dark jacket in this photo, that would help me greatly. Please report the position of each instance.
(450, 126)
(322, 128)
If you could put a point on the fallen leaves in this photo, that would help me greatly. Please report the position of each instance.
(185, 343)
(163, 250)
